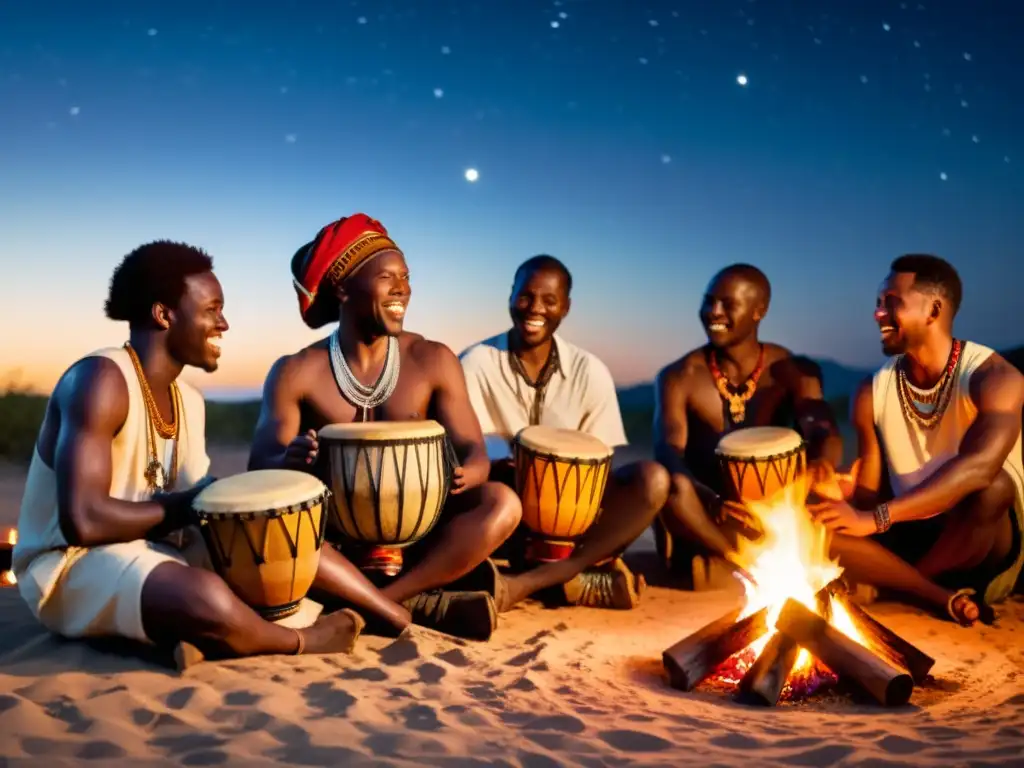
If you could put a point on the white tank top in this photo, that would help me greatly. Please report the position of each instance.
(41, 554)
(914, 453)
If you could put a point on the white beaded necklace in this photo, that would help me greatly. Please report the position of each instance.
(353, 390)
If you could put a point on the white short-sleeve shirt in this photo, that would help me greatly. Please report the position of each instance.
(580, 395)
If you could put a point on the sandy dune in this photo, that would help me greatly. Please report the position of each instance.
(553, 687)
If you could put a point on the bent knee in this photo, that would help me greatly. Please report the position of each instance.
(505, 509)
(185, 591)
(652, 481)
(991, 502)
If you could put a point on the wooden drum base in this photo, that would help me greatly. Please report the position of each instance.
(277, 612)
(385, 560)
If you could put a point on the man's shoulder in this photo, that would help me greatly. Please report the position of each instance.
(485, 350)
(426, 352)
(684, 368)
(296, 366)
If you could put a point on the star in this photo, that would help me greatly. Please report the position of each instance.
(74, 111)
(438, 93)
(741, 79)
(472, 174)
(943, 176)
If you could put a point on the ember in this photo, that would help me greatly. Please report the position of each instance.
(8, 539)
(797, 631)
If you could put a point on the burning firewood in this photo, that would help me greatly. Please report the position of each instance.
(696, 656)
(888, 684)
(897, 650)
(764, 681)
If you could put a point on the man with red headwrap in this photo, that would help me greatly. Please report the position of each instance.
(369, 368)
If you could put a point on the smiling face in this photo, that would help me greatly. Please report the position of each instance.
(196, 322)
(538, 305)
(732, 309)
(904, 313)
(377, 296)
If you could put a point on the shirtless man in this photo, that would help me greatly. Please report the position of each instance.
(355, 275)
(694, 401)
(529, 375)
(120, 456)
(937, 508)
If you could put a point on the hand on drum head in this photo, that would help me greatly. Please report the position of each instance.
(178, 512)
(302, 451)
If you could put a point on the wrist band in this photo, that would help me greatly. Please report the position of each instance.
(882, 521)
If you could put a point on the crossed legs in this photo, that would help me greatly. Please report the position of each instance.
(632, 498)
(976, 535)
(187, 603)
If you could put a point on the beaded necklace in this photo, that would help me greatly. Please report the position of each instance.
(157, 478)
(736, 397)
(939, 396)
(353, 390)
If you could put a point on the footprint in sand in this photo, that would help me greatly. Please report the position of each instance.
(634, 741)
(898, 745)
(522, 684)
(186, 743)
(8, 702)
(330, 701)
(241, 698)
(240, 721)
(399, 652)
(372, 674)
(99, 750)
(419, 717)
(829, 755)
(64, 710)
(539, 636)
(737, 741)
(455, 657)
(560, 723)
(430, 673)
(39, 747)
(535, 760)
(526, 657)
(180, 698)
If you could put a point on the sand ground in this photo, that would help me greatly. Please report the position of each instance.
(553, 687)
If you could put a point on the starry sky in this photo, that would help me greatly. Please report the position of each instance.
(646, 144)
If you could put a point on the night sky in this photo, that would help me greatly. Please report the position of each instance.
(645, 144)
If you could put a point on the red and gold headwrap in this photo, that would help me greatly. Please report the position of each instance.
(339, 250)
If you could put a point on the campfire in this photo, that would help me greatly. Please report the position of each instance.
(798, 629)
(8, 538)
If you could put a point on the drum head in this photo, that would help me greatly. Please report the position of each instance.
(567, 443)
(759, 442)
(263, 490)
(382, 430)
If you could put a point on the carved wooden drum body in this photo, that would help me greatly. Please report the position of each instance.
(389, 482)
(758, 462)
(561, 475)
(264, 531)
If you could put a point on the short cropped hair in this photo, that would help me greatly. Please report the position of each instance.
(752, 275)
(932, 273)
(540, 262)
(153, 273)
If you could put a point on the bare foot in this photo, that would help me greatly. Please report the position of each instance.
(334, 633)
(962, 608)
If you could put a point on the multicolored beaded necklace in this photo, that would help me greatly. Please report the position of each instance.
(911, 398)
(736, 397)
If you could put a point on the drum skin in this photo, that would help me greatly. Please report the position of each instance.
(758, 462)
(264, 531)
(561, 476)
(389, 480)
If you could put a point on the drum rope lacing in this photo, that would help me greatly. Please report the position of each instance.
(353, 390)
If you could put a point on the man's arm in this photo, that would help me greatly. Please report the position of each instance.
(815, 419)
(602, 415)
(670, 425)
(868, 476)
(277, 429)
(92, 405)
(455, 413)
(997, 389)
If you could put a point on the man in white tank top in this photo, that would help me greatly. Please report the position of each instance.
(941, 423)
(120, 456)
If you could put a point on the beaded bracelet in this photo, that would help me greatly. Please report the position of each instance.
(882, 521)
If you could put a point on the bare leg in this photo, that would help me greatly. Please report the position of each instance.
(634, 495)
(480, 520)
(182, 603)
(979, 531)
(339, 578)
(688, 515)
(868, 562)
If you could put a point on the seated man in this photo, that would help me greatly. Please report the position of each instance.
(121, 454)
(937, 507)
(369, 368)
(733, 381)
(529, 375)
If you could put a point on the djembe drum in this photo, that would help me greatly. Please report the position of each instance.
(389, 483)
(561, 475)
(264, 531)
(758, 462)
